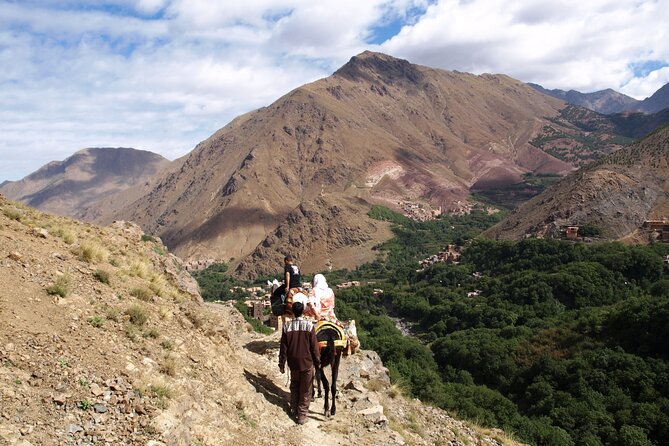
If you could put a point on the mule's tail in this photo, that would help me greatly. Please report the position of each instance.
(331, 351)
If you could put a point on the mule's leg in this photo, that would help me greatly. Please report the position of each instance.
(335, 372)
(326, 389)
(318, 381)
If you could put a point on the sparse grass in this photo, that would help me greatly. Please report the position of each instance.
(83, 382)
(85, 405)
(160, 250)
(142, 294)
(398, 389)
(102, 276)
(12, 213)
(158, 285)
(63, 363)
(139, 269)
(138, 315)
(112, 314)
(60, 287)
(152, 333)
(97, 321)
(169, 366)
(91, 252)
(167, 345)
(164, 313)
(131, 332)
(413, 424)
(64, 233)
(114, 262)
(375, 385)
(245, 418)
(161, 390)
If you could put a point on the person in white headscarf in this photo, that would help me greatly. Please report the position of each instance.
(322, 298)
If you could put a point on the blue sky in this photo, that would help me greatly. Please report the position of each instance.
(162, 75)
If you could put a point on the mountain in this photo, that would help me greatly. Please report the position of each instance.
(610, 101)
(604, 101)
(614, 195)
(103, 341)
(658, 101)
(299, 176)
(90, 175)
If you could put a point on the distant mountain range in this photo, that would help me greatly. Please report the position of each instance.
(89, 176)
(615, 195)
(610, 101)
(300, 175)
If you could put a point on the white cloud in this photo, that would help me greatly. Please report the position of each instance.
(643, 87)
(162, 75)
(559, 44)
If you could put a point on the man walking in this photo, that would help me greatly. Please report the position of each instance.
(300, 348)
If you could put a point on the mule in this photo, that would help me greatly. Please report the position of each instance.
(332, 342)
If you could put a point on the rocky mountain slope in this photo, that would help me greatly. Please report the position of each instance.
(89, 176)
(379, 130)
(604, 101)
(610, 101)
(616, 195)
(103, 340)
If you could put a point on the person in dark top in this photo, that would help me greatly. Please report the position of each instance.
(300, 349)
(291, 274)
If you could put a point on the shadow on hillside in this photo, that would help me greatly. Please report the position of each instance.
(273, 393)
(261, 347)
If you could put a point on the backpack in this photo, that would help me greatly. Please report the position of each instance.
(278, 303)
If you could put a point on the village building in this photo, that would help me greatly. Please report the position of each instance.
(660, 227)
(571, 232)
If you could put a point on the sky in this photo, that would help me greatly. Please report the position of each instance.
(163, 75)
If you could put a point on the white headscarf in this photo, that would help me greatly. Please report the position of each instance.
(319, 291)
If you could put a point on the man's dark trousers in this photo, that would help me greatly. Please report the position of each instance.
(300, 391)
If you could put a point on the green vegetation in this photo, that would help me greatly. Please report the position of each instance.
(590, 230)
(97, 321)
(60, 287)
(215, 284)
(565, 345)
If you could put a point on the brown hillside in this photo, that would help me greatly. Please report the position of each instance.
(128, 355)
(89, 176)
(379, 130)
(617, 194)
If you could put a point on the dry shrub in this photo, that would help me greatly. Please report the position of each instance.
(138, 315)
(141, 294)
(158, 285)
(60, 287)
(12, 213)
(140, 269)
(91, 252)
(102, 276)
(169, 366)
(112, 314)
(64, 233)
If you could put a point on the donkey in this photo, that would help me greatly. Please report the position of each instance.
(331, 341)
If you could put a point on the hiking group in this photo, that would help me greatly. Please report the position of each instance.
(305, 353)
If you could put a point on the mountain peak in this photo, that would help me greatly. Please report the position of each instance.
(373, 67)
